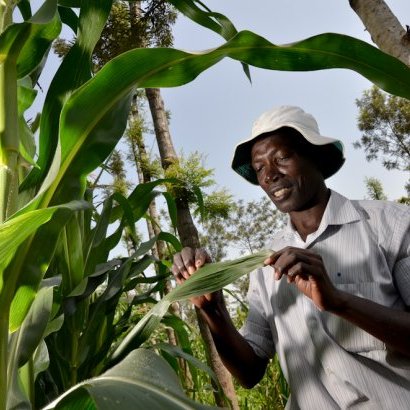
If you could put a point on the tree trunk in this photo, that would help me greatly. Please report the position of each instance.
(384, 28)
(139, 155)
(189, 237)
(139, 151)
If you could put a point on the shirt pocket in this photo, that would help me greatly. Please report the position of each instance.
(348, 335)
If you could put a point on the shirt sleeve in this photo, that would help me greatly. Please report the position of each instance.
(401, 242)
(256, 329)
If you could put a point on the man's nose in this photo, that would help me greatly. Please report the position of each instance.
(272, 173)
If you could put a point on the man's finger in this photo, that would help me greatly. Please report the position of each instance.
(299, 269)
(188, 258)
(179, 267)
(177, 273)
(187, 255)
(201, 257)
(177, 261)
(270, 260)
(289, 261)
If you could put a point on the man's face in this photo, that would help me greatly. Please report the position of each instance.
(291, 180)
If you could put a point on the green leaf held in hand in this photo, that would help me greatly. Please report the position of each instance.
(210, 278)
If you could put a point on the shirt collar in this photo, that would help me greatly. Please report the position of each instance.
(339, 211)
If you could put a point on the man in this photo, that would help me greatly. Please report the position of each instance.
(332, 300)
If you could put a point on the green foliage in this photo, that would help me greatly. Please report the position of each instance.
(116, 165)
(54, 242)
(116, 168)
(254, 223)
(134, 383)
(130, 26)
(190, 174)
(131, 240)
(92, 294)
(375, 189)
(203, 390)
(208, 279)
(244, 226)
(214, 234)
(134, 138)
(376, 192)
(385, 122)
(73, 72)
(272, 391)
(405, 200)
(218, 204)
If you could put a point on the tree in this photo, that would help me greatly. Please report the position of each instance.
(115, 167)
(145, 28)
(214, 235)
(129, 26)
(384, 28)
(375, 189)
(188, 235)
(385, 122)
(254, 223)
(140, 24)
(385, 119)
(246, 226)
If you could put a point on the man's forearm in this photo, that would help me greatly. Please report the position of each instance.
(235, 352)
(389, 325)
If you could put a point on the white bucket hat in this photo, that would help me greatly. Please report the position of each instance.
(305, 124)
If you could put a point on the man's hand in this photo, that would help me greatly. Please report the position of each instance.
(306, 270)
(187, 262)
(236, 353)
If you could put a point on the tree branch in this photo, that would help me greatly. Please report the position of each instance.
(384, 28)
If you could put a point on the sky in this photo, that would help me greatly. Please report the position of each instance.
(216, 111)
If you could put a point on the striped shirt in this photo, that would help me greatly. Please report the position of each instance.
(330, 363)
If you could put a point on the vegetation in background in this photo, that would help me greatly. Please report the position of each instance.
(385, 123)
(375, 189)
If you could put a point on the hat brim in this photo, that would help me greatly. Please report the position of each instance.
(330, 151)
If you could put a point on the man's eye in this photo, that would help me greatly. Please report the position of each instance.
(282, 159)
(258, 168)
